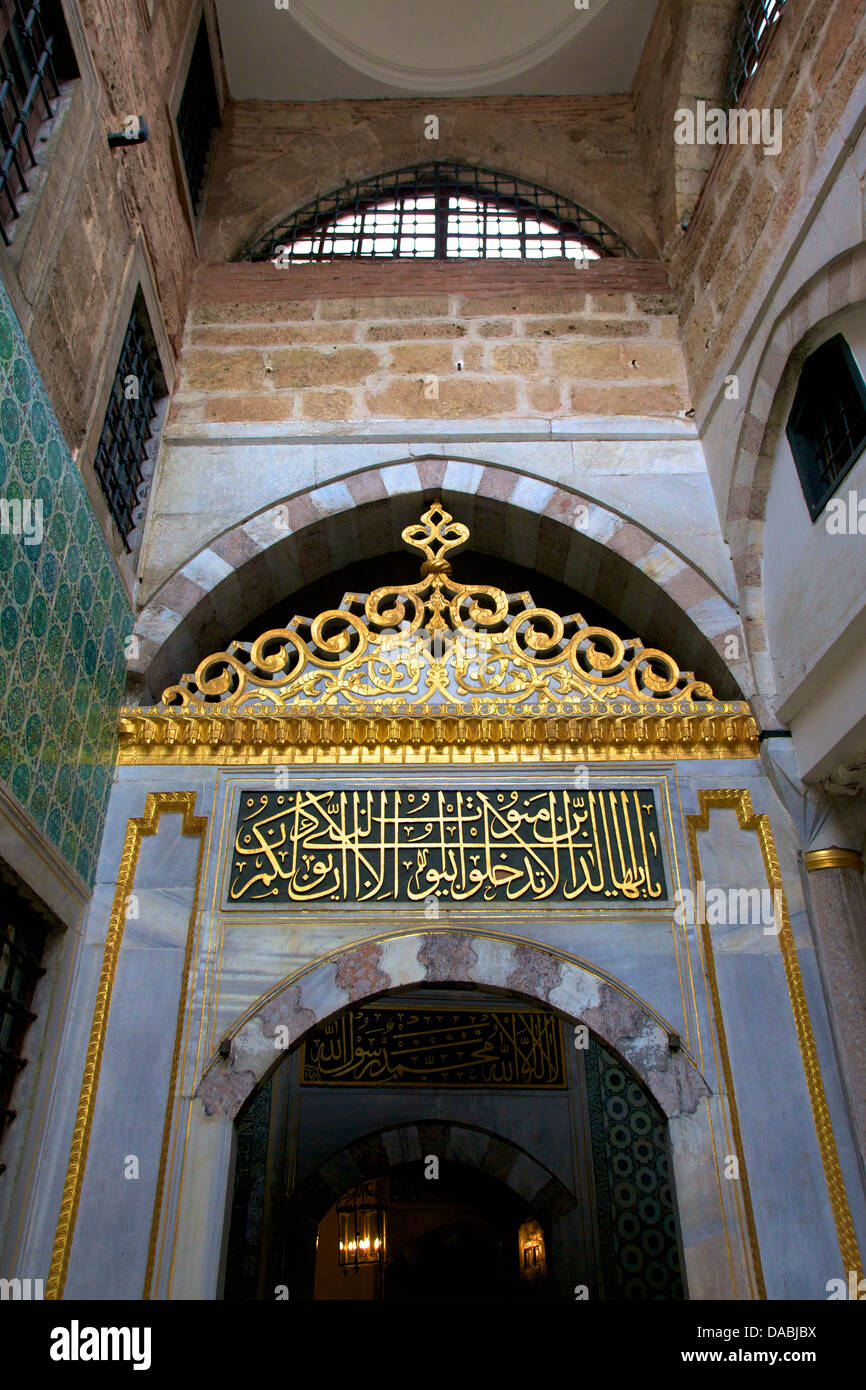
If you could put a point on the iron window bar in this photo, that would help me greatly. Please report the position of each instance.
(827, 425)
(22, 943)
(137, 387)
(440, 211)
(755, 25)
(198, 117)
(35, 59)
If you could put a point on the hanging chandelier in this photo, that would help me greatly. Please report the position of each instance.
(361, 1226)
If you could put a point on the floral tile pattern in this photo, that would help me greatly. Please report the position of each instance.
(64, 617)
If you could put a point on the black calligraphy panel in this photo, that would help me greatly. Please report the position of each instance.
(442, 1047)
(322, 847)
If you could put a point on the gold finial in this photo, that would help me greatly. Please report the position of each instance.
(435, 537)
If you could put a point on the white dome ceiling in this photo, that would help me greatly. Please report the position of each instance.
(445, 45)
(340, 48)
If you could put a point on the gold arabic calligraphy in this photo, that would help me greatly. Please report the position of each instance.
(396, 846)
(447, 1047)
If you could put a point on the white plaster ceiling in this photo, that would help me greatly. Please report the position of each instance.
(326, 49)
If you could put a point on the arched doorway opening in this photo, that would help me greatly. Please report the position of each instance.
(456, 1144)
(455, 1239)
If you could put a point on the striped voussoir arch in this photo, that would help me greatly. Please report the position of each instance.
(654, 592)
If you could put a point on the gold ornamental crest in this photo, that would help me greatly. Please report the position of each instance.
(440, 643)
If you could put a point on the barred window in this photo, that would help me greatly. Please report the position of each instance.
(440, 211)
(827, 425)
(755, 24)
(22, 942)
(198, 117)
(36, 64)
(125, 454)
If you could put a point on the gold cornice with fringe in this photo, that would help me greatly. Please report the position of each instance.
(185, 737)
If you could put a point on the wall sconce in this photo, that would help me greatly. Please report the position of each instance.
(134, 132)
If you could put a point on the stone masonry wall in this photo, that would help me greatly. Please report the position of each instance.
(315, 343)
(685, 59)
(750, 201)
(118, 194)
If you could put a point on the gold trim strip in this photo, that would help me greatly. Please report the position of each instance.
(833, 858)
(693, 825)
(192, 738)
(740, 800)
(192, 825)
(155, 805)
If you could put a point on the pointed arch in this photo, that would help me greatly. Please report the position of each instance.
(621, 1021)
(838, 285)
(560, 532)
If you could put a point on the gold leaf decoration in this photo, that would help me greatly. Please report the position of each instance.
(439, 642)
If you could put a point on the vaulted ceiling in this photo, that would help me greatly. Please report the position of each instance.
(327, 49)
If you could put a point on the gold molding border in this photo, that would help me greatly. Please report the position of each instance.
(833, 858)
(693, 825)
(154, 737)
(740, 800)
(156, 804)
(201, 823)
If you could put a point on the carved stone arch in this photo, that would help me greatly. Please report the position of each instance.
(544, 526)
(527, 1184)
(455, 1142)
(838, 285)
(624, 1024)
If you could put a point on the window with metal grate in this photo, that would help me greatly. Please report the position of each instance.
(22, 942)
(36, 61)
(827, 425)
(124, 445)
(198, 117)
(755, 25)
(440, 211)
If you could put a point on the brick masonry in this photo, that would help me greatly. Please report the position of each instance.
(383, 342)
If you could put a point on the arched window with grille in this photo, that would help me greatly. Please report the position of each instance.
(756, 23)
(440, 212)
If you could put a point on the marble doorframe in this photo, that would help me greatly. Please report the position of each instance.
(299, 1003)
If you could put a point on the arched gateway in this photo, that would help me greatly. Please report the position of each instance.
(443, 927)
